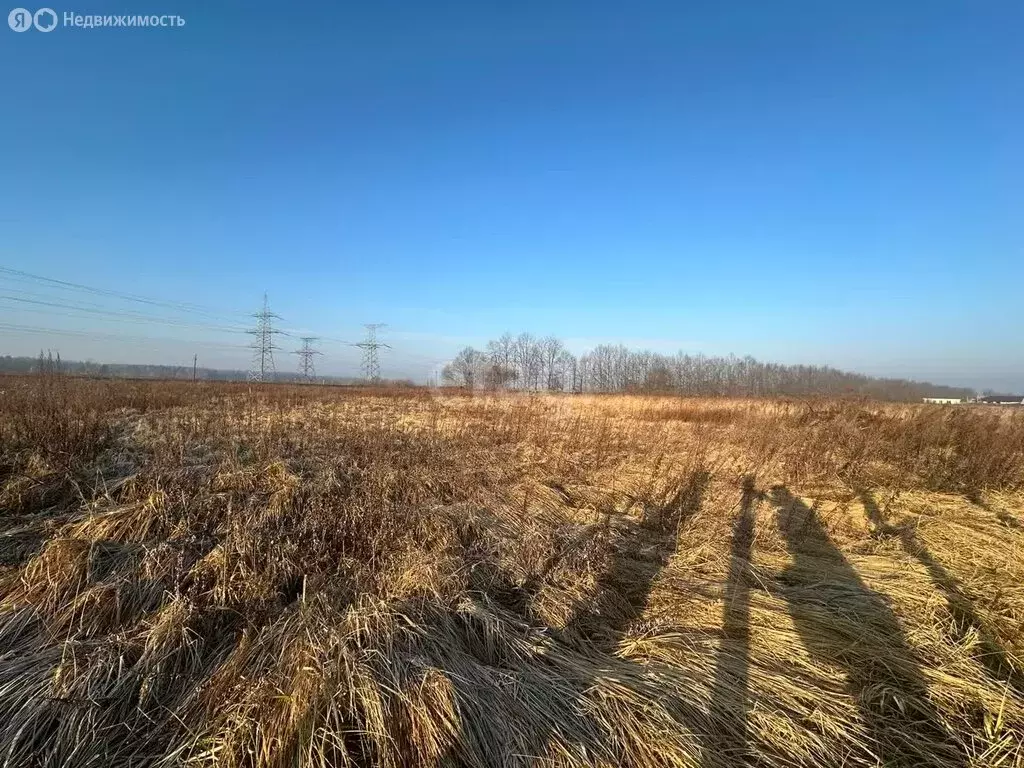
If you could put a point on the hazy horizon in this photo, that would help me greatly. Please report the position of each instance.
(404, 359)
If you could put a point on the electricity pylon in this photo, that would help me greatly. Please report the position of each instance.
(371, 361)
(306, 354)
(263, 345)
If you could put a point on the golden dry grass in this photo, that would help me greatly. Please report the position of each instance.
(213, 575)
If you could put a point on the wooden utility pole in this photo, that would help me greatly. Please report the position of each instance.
(195, 360)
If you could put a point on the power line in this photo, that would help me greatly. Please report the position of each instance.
(33, 329)
(92, 308)
(263, 345)
(306, 354)
(26, 292)
(114, 314)
(179, 306)
(371, 361)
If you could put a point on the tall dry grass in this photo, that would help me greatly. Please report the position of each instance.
(281, 576)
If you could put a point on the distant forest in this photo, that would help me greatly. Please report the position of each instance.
(531, 363)
(10, 364)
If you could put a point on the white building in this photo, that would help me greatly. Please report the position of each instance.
(943, 400)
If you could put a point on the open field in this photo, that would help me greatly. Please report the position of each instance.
(213, 575)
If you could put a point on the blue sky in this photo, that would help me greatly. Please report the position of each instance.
(806, 182)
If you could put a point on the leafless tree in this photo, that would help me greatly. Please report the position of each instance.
(464, 369)
(528, 361)
(550, 348)
(501, 352)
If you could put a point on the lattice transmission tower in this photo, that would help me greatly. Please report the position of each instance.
(263, 345)
(371, 361)
(306, 354)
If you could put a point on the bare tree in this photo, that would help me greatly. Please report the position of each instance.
(566, 369)
(498, 376)
(528, 361)
(502, 370)
(550, 348)
(464, 369)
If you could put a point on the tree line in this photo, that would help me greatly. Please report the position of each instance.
(543, 363)
(48, 363)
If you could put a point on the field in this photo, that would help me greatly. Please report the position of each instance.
(219, 575)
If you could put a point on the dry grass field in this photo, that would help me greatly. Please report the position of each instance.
(213, 575)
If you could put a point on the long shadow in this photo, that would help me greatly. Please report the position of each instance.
(619, 599)
(729, 694)
(842, 621)
(992, 656)
(623, 590)
(1002, 515)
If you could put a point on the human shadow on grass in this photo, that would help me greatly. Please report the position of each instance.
(1004, 517)
(729, 694)
(961, 607)
(622, 592)
(843, 622)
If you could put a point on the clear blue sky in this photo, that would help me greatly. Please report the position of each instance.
(807, 182)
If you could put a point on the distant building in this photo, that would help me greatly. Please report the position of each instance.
(1002, 400)
(943, 400)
